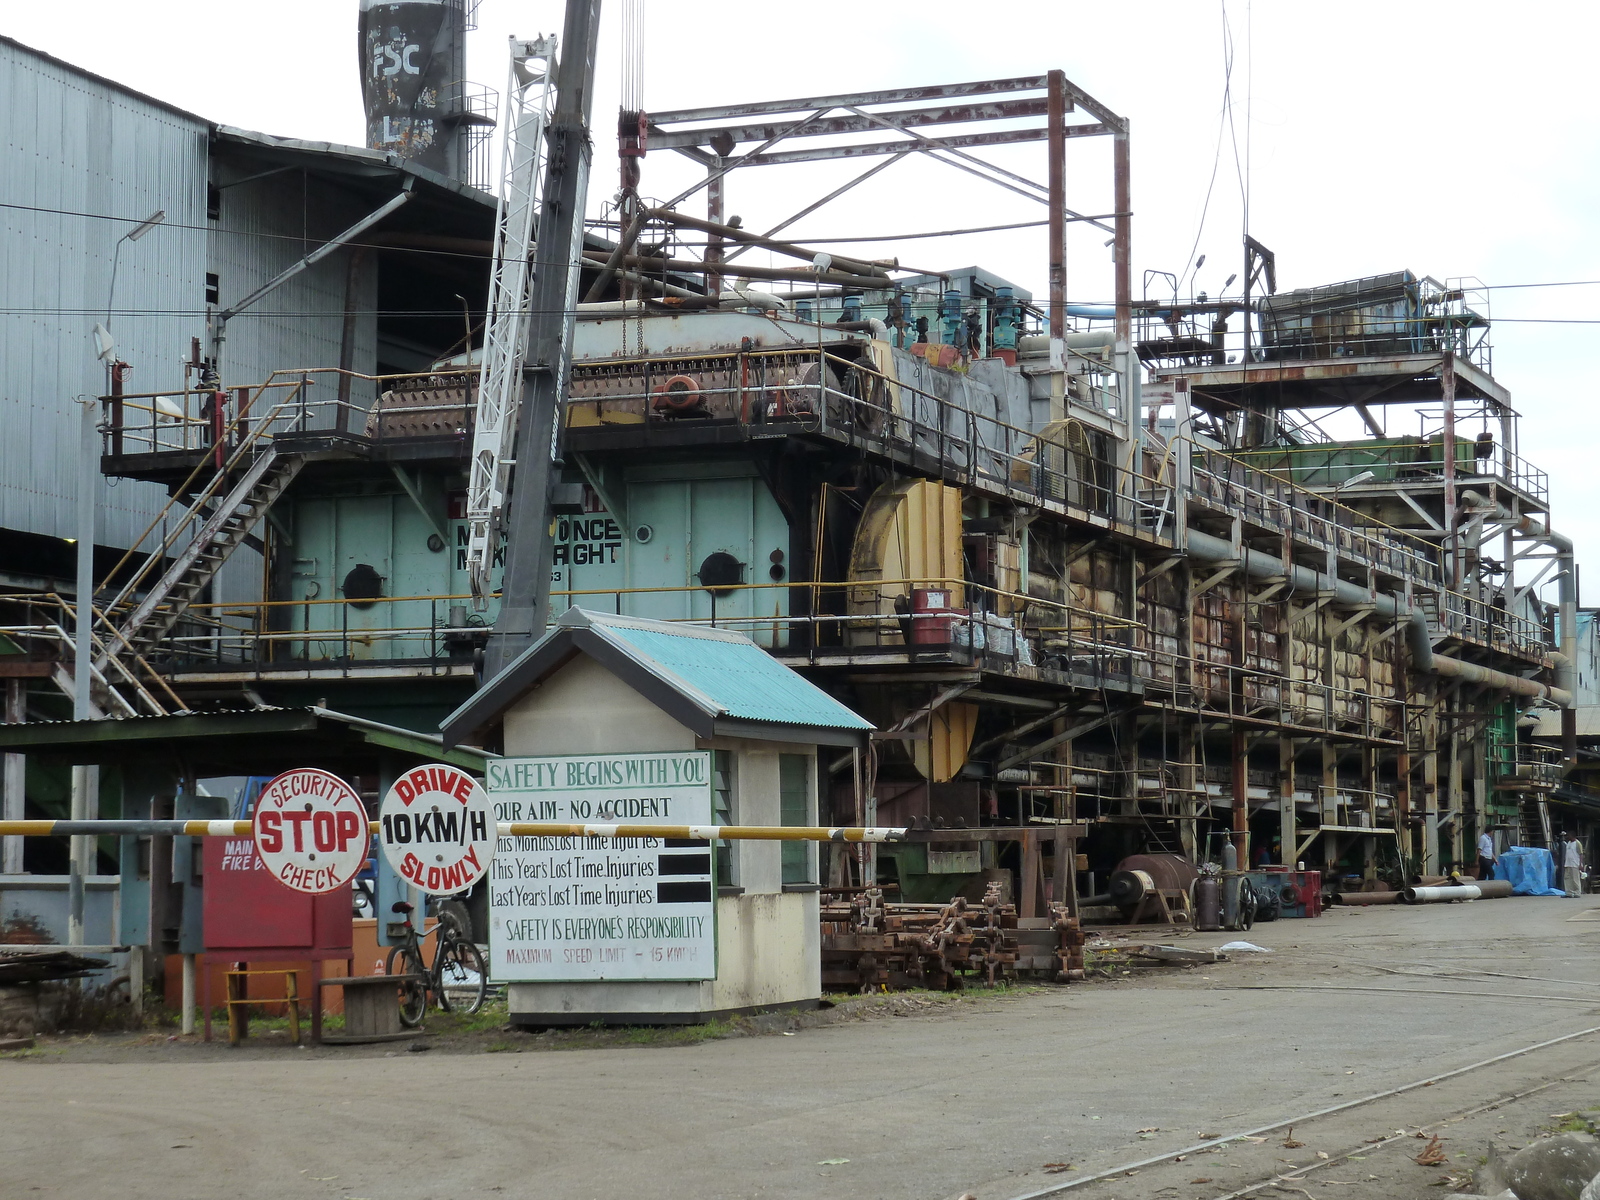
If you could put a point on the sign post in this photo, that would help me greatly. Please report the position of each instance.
(580, 909)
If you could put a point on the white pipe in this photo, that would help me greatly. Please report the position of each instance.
(1040, 345)
(186, 1006)
(1439, 895)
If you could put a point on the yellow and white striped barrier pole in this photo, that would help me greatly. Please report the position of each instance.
(125, 828)
(697, 833)
(705, 833)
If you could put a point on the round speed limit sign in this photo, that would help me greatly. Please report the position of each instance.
(311, 830)
(437, 829)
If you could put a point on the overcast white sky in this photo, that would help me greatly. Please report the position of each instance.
(1454, 140)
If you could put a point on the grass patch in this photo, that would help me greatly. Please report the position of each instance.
(1574, 1122)
(490, 1018)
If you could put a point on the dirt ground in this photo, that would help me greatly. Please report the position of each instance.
(996, 1095)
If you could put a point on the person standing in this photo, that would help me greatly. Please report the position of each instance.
(1486, 856)
(1572, 865)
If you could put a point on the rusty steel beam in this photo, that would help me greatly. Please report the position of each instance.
(673, 266)
(732, 234)
(942, 144)
(1057, 172)
(721, 164)
(1122, 171)
(1077, 97)
(941, 91)
(816, 204)
(1000, 137)
(663, 139)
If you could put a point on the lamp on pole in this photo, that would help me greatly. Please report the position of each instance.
(86, 779)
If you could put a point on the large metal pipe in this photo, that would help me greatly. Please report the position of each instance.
(1441, 895)
(1362, 898)
(1258, 565)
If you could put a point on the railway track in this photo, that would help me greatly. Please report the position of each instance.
(1171, 1172)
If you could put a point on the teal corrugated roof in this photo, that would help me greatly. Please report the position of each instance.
(734, 673)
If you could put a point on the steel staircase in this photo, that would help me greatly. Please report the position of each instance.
(206, 527)
(1535, 823)
(219, 526)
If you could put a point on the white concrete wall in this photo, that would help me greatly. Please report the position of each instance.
(585, 709)
(769, 954)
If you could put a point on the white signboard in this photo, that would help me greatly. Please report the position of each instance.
(436, 829)
(579, 909)
(311, 830)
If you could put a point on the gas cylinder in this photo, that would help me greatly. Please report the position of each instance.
(1207, 904)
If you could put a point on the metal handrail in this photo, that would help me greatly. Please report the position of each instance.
(1419, 455)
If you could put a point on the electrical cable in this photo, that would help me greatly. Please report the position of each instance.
(214, 228)
(1216, 156)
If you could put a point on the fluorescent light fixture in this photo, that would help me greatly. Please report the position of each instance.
(146, 225)
(1355, 480)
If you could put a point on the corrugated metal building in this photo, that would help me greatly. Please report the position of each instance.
(85, 161)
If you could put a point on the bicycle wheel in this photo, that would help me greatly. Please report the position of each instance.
(463, 978)
(413, 992)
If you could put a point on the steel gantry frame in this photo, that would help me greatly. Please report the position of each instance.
(1037, 106)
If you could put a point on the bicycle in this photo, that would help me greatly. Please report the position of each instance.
(458, 981)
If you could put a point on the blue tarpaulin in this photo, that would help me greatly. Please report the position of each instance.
(1531, 870)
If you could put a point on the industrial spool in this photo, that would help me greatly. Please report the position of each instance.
(679, 396)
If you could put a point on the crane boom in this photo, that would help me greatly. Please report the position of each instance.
(529, 90)
(552, 313)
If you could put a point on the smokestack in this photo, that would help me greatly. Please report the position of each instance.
(413, 81)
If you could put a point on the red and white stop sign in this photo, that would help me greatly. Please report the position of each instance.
(437, 828)
(311, 830)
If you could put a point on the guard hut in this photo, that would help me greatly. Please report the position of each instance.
(618, 719)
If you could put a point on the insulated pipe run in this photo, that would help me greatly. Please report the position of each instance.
(1206, 548)
(1566, 595)
(871, 325)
